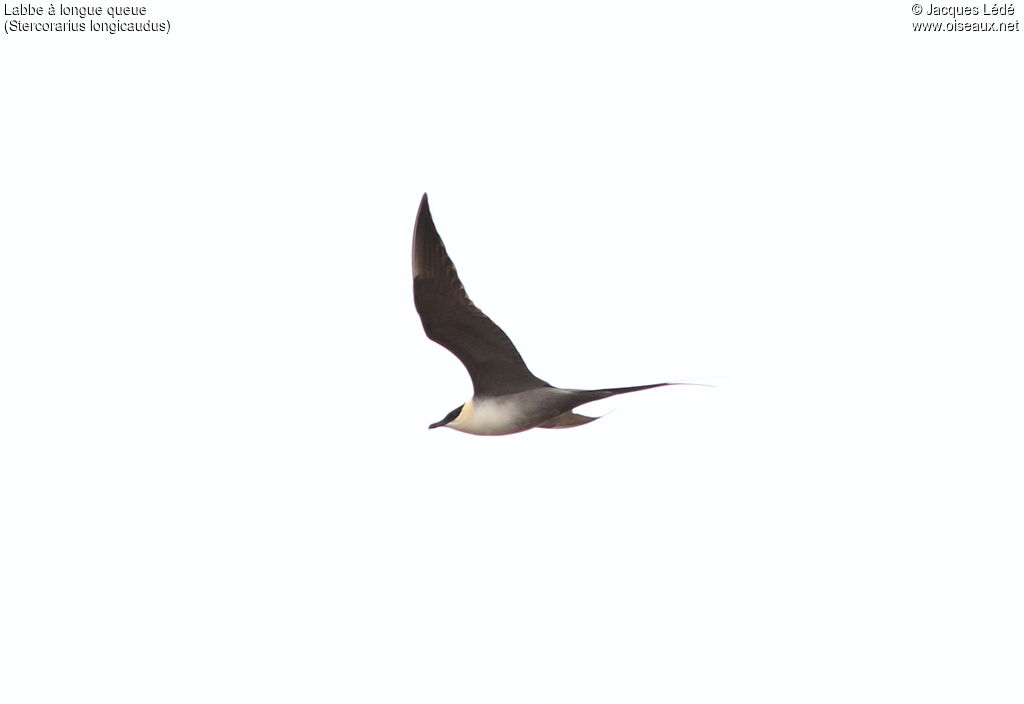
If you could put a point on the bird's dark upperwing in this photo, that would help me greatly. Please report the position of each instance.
(451, 320)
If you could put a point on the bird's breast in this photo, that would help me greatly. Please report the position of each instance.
(490, 417)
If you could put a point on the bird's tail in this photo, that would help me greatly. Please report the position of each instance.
(605, 393)
(598, 394)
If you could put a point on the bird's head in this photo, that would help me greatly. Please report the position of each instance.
(447, 419)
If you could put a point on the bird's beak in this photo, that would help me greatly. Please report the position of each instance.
(438, 424)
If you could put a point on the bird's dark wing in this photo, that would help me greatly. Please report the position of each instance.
(451, 320)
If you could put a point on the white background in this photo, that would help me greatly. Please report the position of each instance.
(217, 484)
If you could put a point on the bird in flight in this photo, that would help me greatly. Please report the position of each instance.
(507, 397)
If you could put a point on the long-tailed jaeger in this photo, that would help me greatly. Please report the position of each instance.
(507, 397)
